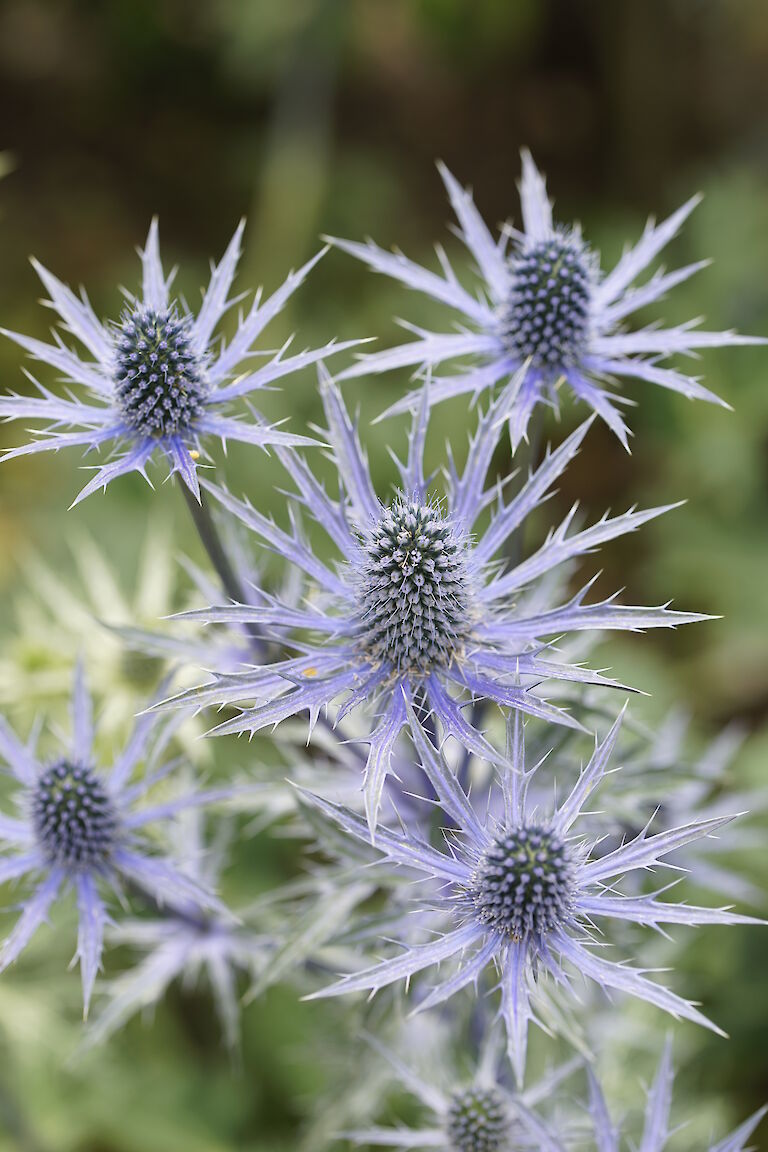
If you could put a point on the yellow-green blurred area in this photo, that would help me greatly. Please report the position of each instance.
(325, 116)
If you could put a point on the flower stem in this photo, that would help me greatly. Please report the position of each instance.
(230, 581)
(211, 541)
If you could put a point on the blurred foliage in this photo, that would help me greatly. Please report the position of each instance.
(326, 116)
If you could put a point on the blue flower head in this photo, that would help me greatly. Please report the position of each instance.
(544, 302)
(656, 1129)
(155, 381)
(525, 893)
(83, 828)
(419, 606)
(483, 1115)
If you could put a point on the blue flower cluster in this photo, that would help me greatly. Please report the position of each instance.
(416, 624)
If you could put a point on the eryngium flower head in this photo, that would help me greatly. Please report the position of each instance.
(156, 381)
(523, 893)
(477, 1121)
(83, 828)
(418, 605)
(544, 302)
(656, 1129)
(482, 1116)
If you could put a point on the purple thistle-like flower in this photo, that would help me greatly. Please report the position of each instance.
(545, 302)
(482, 1116)
(417, 607)
(656, 1130)
(154, 381)
(525, 893)
(81, 828)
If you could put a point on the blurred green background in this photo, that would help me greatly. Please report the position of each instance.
(313, 116)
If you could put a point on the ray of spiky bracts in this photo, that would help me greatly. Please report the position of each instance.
(157, 382)
(656, 1129)
(480, 1116)
(543, 300)
(661, 776)
(78, 827)
(526, 894)
(183, 944)
(417, 608)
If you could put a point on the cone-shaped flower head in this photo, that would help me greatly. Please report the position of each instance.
(83, 828)
(545, 302)
(525, 893)
(419, 605)
(481, 1116)
(156, 381)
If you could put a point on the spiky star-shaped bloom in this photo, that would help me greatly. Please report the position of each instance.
(524, 893)
(154, 381)
(544, 301)
(482, 1116)
(83, 828)
(656, 1130)
(417, 606)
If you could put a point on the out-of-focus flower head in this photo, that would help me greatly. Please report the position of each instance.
(482, 1115)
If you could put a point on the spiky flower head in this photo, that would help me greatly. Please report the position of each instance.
(73, 817)
(523, 883)
(522, 893)
(544, 302)
(481, 1116)
(477, 1121)
(546, 316)
(81, 827)
(160, 380)
(157, 381)
(414, 588)
(422, 604)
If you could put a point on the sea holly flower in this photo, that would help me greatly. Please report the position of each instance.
(83, 828)
(155, 381)
(480, 1116)
(525, 894)
(656, 1130)
(544, 301)
(417, 606)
